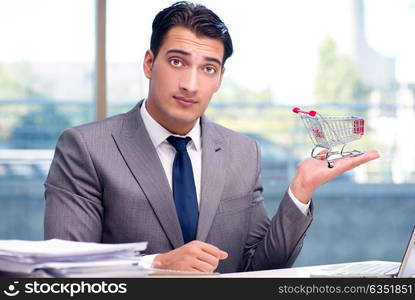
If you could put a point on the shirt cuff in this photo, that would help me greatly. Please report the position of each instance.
(147, 261)
(304, 208)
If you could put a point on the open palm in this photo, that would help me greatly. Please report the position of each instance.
(312, 173)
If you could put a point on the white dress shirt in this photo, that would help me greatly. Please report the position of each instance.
(166, 152)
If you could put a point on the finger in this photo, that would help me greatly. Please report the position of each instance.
(194, 270)
(213, 250)
(202, 266)
(224, 255)
(367, 156)
(372, 153)
(348, 163)
(208, 258)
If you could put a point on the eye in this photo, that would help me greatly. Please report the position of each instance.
(210, 70)
(176, 62)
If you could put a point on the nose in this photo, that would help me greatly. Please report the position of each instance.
(189, 81)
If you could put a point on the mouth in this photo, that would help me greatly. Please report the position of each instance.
(185, 101)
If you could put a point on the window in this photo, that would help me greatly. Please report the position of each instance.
(46, 81)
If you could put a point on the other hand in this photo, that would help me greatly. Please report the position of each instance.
(194, 256)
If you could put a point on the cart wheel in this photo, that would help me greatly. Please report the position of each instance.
(330, 163)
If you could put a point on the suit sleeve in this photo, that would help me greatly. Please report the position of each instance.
(275, 243)
(73, 209)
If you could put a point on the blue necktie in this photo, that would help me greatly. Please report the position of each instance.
(184, 190)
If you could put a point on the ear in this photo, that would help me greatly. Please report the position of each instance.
(220, 78)
(148, 63)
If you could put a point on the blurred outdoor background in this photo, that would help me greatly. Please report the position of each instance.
(343, 57)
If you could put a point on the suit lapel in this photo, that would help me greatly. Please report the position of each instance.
(213, 176)
(139, 153)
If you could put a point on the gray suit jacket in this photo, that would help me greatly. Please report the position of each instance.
(106, 184)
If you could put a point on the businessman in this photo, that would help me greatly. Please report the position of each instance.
(165, 174)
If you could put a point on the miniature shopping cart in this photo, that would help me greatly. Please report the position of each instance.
(328, 132)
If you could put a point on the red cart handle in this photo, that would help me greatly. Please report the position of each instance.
(311, 113)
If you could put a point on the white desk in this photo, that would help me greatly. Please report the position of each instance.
(284, 273)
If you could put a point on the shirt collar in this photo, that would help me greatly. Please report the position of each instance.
(159, 134)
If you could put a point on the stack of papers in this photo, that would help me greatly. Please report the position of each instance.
(68, 258)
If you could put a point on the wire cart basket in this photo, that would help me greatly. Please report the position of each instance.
(329, 131)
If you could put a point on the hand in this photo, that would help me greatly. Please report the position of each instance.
(194, 256)
(311, 173)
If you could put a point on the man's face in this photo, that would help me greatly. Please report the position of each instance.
(183, 78)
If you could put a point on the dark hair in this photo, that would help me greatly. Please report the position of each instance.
(197, 18)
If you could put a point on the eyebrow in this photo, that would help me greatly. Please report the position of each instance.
(208, 58)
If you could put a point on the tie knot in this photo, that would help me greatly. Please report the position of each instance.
(178, 143)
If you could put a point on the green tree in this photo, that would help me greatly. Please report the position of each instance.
(338, 78)
(40, 128)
